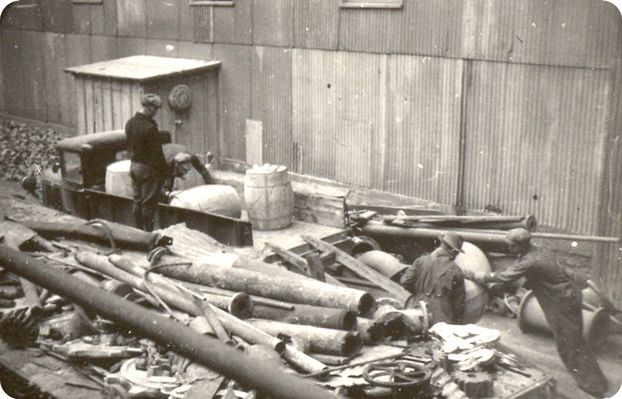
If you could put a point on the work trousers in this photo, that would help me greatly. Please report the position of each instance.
(566, 321)
(146, 186)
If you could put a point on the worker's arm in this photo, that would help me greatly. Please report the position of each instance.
(409, 277)
(198, 165)
(511, 273)
(458, 295)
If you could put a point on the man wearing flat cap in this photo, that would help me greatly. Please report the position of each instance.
(148, 168)
(560, 299)
(180, 161)
(435, 279)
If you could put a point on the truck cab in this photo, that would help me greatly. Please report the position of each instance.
(77, 186)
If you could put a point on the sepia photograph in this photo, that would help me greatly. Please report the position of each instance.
(310, 199)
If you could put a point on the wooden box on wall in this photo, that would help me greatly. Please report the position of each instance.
(108, 93)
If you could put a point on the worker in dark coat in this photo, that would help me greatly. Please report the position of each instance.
(180, 161)
(560, 299)
(435, 279)
(148, 169)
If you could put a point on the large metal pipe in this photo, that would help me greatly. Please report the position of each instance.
(238, 304)
(306, 291)
(202, 349)
(338, 319)
(321, 340)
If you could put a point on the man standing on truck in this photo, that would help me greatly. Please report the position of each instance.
(148, 169)
(435, 279)
(560, 299)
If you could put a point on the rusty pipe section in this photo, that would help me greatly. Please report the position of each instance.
(238, 304)
(338, 319)
(305, 291)
(202, 349)
(321, 340)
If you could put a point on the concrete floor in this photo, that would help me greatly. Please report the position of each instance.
(540, 351)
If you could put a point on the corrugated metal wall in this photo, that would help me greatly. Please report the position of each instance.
(395, 109)
(539, 147)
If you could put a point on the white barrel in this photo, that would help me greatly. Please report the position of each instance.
(213, 198)
(269, 198)
(476, 297)
(118, 180)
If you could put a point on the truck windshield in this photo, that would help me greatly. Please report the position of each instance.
(72, 167)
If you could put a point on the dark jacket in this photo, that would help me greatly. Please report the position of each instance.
(437, 280)
(143, 142)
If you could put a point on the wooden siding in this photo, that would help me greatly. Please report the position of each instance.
(422, 145)
(316, 24)
(271, 85)
(535, 142)
(272, 22)
(55, 90)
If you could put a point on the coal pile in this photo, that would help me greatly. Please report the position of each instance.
(24, 150)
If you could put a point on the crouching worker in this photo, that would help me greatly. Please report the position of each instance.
(179, 162)
(435, 279)
(560, 299)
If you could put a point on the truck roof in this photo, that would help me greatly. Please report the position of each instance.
(112, 138)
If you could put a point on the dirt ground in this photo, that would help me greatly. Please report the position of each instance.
(535, 348)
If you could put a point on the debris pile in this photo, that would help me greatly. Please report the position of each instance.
(132, 314)
(25, 150)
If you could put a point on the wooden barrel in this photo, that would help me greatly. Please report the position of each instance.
(476, 297)
(118, 180)
(213, 198)
(269, 198)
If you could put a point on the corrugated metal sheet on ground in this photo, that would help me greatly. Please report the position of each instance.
(573, 32)
(333, 91)
(272, 22)
(271, 77)
(535, 138)
(316, 24)
(423, 127)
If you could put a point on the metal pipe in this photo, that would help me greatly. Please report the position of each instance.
(202, 349)
(307, 291)
(339, 319)
(321, 340)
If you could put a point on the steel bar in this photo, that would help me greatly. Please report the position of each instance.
(321, 340)
(212, 318)
(248, 332)
(361, 269)
(202, 349)
(307, 291)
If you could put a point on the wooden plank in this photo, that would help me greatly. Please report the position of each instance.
(127, 107)
(320, 209)
(361, 269)
(54, 54)
(212, 122)
(34, 74)
(254, 142)
(107, 104)
(136, 90)
(98, 103)
(80, 103)
(77, 52)
(118, 121)
(185, 23)
(89, 107)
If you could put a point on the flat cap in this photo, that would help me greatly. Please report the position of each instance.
(151, 99)
(518, 236)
